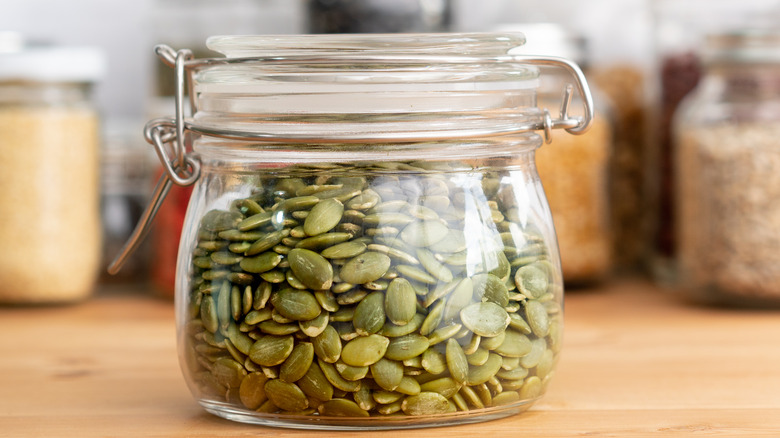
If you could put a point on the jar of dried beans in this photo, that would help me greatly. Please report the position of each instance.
(728, 172)
(367, 244)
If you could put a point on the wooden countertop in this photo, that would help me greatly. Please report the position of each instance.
(636, 361)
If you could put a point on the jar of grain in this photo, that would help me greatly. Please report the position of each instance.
(729, 173)
(49, 196)
(575, 172)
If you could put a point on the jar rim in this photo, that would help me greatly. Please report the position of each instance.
(437, 45)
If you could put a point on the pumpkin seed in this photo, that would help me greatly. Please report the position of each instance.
(323, 217)
(312, 328)
(387, 373)
(366, 267)
(333, 376)
(514, 345)
(406, 347)
(485, 319)
(287, 396)
(482, 373)
(327, 345)
(340, 407)
(436, 269)
(344, 250)
(271, 350)
(315, 385)
(297, 305)
(297, 363)
(531, 389)
(457, 363)
(434, 361)
(424, 233)
(536, 315)
(446, 386)
(267, 242)
(425, 403)
(365, 350)
(311, 268)
(395, 330)
(488, 287)
(532, 280)
(261, 263)
(252, 390)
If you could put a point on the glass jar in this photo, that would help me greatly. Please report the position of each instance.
(367, 244)
(729, 173)
(49, 188)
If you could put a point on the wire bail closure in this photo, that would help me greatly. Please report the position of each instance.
(182, 168)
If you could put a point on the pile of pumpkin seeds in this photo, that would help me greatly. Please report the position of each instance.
(409, 289)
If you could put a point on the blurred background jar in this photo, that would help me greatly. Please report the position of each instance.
(50, 232)
(728, 172)
(575, 171)
(378, 16)
(679, 30)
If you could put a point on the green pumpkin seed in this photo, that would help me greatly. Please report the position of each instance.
(532, 280)
(275, 328)
(536, 315)
(457, 363)
(485, 319)
(363, 399)
(478, 357)
(297, 305)
(400, 301)
(312, 269)
(408, 386)
(482, 373)
(271, 350)
(460, 297)
(367, 199)
(323, 241)
(267, 242)
(287, 396)
(444, 333)
(252, 390)
(216, 220)
(333, 376)
(327, 345)
(434, 361)
(340, 407)
(393, 253)
(424, 233)
(446, 386)
(364, 268)
(365, 350)
(228, 372)
(344, 250)
(488, 287)
(312, 328)
(518, 323)
(433, 318)
(395, 330)
(425, 403)
(506, 398)
(297, 364)
(386, 397)
(387, 373)
(315, 385)
(349, 372)
(515, 345)
(492, 343)
(531, 389)
(255, 221)
(518, 373)
(261, 263)
(208, 314)
(406, 347)
(323, 217)
(436, 269)
(416, 274)
(369, 314)
(241, 341)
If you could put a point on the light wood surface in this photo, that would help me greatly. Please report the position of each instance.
(637, 361)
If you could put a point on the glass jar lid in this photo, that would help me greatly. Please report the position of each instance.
(394, 87)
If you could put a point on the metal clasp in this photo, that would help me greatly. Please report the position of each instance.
(167, 137)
